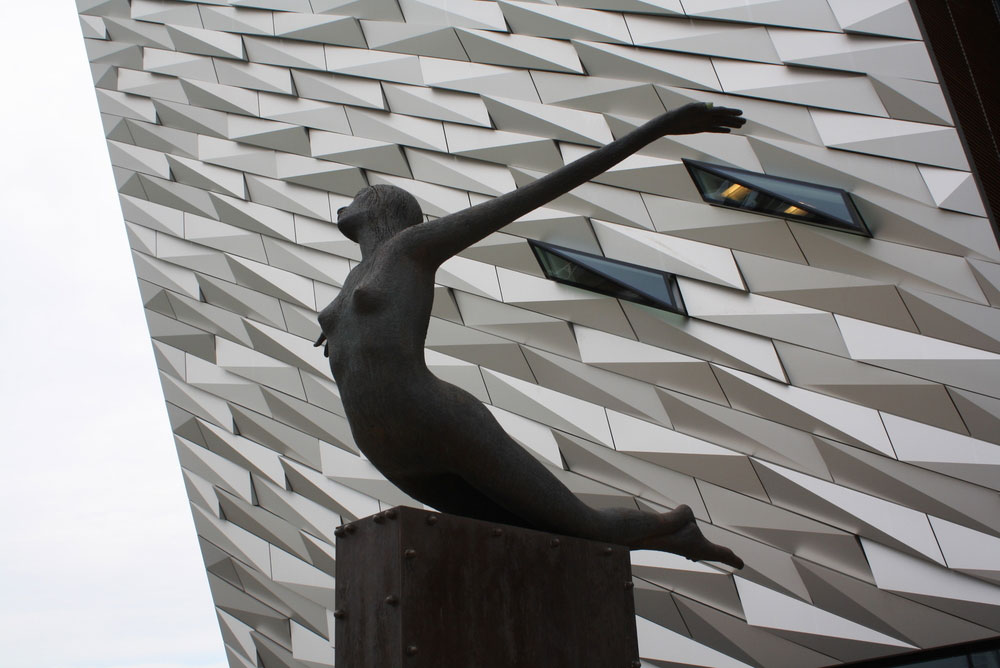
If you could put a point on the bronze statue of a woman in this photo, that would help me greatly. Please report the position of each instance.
(436, 442)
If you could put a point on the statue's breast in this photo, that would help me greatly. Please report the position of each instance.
(369, 297)
(329, 316)
(371, 290)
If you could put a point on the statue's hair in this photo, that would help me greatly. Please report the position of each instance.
(396, 208)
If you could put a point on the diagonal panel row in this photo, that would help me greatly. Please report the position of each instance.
(828, 405)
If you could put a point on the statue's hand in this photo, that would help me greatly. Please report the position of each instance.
(701, 117)
(321, 341)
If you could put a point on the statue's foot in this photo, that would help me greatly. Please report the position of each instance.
(682, 536)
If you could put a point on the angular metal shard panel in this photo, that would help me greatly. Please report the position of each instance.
(828, 405)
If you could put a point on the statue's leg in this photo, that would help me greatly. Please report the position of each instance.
(497, 472)
(450, 493)
(523, 486)
(508, 474)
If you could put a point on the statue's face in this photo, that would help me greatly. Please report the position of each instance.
(351, 218)
(381, 210)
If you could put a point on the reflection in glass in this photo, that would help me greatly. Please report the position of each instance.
(609, 277)
(776, 196)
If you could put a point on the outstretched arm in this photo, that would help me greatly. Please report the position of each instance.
(438, 240)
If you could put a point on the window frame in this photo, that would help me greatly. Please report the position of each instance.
(860, 228)
(670, 280)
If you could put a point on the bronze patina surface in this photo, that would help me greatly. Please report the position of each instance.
(436, 442)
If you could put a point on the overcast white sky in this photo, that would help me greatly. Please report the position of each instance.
(99, 565)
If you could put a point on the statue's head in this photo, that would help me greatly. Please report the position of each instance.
(381, 210)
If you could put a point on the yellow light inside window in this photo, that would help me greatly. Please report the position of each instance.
(736, 192)
(795, 211)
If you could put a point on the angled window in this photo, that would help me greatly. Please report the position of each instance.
(609, 277)
(776, 196)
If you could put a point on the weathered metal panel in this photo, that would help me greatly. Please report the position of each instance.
(479, 595)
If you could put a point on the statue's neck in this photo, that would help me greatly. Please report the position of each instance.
(372, 237)
(370, 244)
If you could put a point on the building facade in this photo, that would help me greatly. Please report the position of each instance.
(794, 329)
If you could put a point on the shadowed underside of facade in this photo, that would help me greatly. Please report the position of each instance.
(799, 337)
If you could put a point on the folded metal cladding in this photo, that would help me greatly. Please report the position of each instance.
(829, 406)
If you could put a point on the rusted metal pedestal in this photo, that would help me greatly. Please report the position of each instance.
(417, 589)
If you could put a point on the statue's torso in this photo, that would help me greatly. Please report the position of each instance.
(375, 331)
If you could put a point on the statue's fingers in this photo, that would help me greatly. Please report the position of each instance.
(727, 111)
(320, 340)
(730, 118)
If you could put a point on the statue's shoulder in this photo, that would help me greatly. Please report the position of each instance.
(414, 244)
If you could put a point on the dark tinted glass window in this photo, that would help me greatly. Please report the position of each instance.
(776, 196)
(980, 654)
(609, 277)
